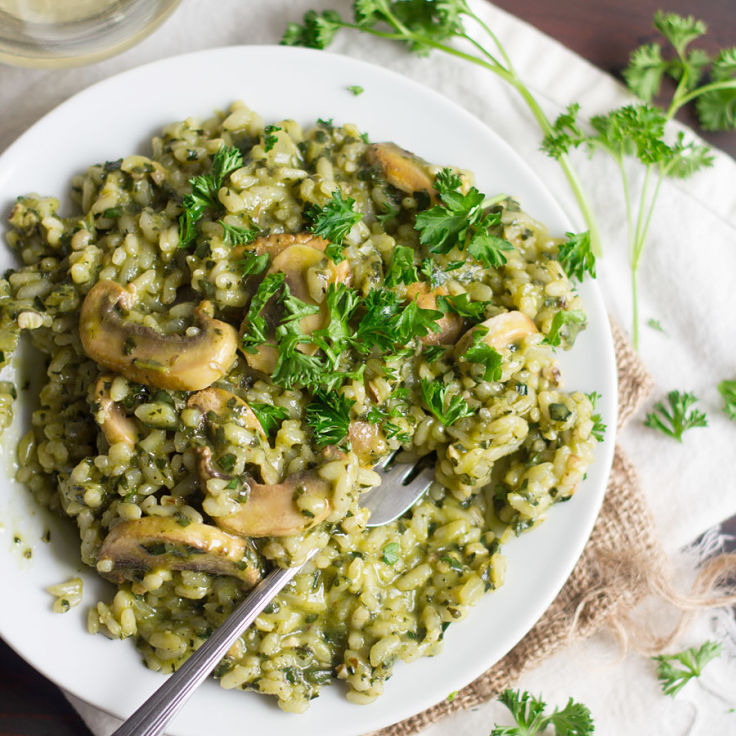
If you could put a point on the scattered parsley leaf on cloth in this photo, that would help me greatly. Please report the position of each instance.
(574, 719)
(674, 671)
(676, 419)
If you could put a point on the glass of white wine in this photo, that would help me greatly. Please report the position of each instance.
(56, 33)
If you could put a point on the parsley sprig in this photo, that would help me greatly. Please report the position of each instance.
(528, 711)
(461, 221)
(678, 418)
(333, 222)
(639, 129)
(427, 25)
(328, 416)
(674, 671)
(269, 416)
(435, 395)
(203, 196)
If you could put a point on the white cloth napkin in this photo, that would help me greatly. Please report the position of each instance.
(686, 282)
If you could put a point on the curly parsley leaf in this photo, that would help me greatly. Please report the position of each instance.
(655, 324)
(488, 249)
(461, 222)
(576, 255)
(333, 222)
(328, 416)
(356, 90)
(251, 263)
(674, 671)
(676, 419)
(461, 304)
(680, 31)
(717, 107)
(574, 719)
(402, 269)
(567, 324)
(435, 397)
(727, 389)
(316, 32)
(645, 71)
(257, 327)
(234, 235)
(487, 356)
(415, 321)
(269, 416)
(269, 137)
(599, 428)
(390, 553)
(342, 301)
(204, 192)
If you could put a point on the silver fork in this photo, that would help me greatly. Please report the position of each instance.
(399, 490)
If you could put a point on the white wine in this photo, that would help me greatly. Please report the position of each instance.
(32, 12)
(52, 33)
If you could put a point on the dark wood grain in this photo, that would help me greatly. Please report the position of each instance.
(30, 705)
(604, 32)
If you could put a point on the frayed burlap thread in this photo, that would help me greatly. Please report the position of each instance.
(604, 582)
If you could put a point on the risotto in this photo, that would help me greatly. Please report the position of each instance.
(234, 331)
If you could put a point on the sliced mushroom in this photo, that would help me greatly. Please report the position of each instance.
(278, 242)
(307, 273)
(503, 330)
(178, 362)
(402, 169)
(450, 324)
(218, 401)
(270, 510)
(156, 542)
(367, 441)
(115, 424)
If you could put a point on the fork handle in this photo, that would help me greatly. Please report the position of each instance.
(151, 718)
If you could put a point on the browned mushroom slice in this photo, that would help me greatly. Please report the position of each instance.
(450, 324)
(307, 273)
(178, 362)
(402, 169)
(115, 424)
(278, 242)
(156, 542)
(367, 441)
(271, 511)
(218, 401)
(502, 330)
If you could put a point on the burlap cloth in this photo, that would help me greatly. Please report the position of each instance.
(596, 590)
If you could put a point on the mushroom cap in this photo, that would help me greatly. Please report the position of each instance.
(156, 542)
(178, 362)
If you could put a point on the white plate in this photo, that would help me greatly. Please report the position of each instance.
(117, 117)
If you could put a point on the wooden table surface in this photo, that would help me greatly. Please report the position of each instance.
(604, 32)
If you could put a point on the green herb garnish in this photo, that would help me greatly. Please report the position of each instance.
(569, 323)
(461, 222)
(269, 416)
(391, 553)
(727, 389)
(573, 720)
(402, 269)
(333, 222)
(434, 394)
(674, 671)
(676, 419)
(328, 415)
(576, 255)
(480, 352)
(269, 137)
(203, 196)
